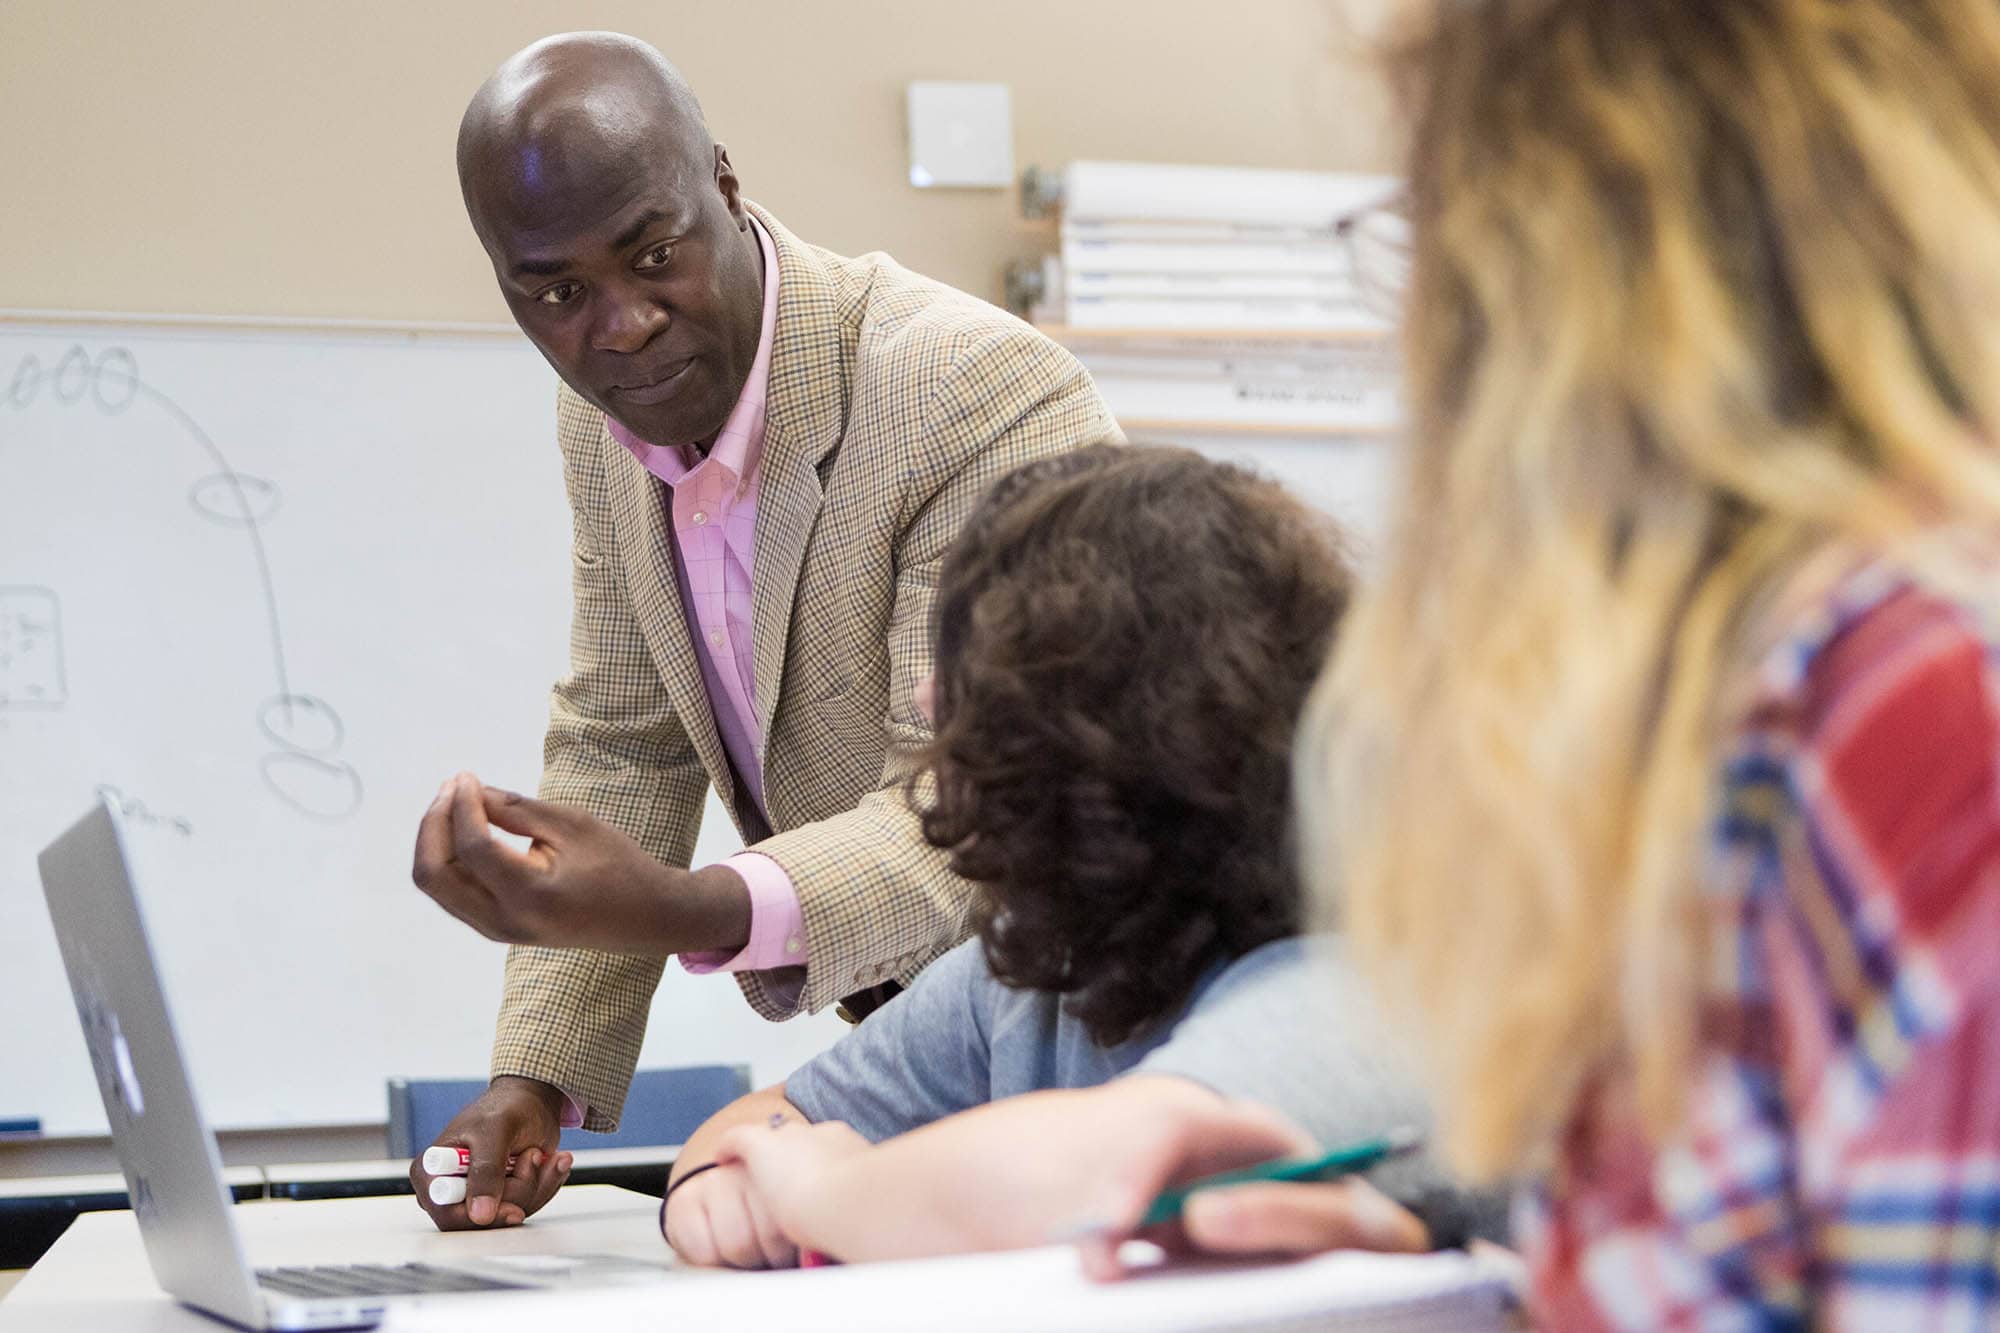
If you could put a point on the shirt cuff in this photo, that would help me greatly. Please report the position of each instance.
(777, 923)
(572, 1110)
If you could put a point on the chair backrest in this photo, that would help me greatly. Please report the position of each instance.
(664, 1106)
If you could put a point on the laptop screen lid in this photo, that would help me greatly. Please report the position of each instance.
(173, 1173)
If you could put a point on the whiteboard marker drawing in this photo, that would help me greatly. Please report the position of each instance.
(137, 811)
(305, 770)
(31, 649)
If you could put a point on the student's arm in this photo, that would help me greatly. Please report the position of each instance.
(919, 1058)
(715, 1218)
(1020, 1172)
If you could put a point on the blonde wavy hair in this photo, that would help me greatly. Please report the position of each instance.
(1702, 291)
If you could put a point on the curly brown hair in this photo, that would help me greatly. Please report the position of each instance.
(1125, 639)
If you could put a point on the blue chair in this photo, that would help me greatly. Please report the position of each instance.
(663, 1107)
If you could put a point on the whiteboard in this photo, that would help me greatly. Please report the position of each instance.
(270, 588)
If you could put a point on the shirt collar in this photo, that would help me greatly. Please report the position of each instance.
(739, 445)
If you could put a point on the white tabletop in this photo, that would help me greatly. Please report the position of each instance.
(96, 1276)
(96, 1280)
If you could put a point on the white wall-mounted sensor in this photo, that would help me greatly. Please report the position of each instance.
(961, 134)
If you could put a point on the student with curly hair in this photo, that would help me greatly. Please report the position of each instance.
(1125, 639)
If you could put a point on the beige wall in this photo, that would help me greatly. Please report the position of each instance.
(277, 159)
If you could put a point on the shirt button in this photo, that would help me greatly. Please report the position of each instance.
(792, 944)
(715, 637)
(700, 517)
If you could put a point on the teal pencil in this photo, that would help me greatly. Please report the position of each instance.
(1347, 1161)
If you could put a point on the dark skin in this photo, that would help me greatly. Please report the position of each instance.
(617, 232)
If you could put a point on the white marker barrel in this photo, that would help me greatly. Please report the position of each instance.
(446, 1190)
(447, 1159)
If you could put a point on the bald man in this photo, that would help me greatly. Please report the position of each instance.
(768, 449)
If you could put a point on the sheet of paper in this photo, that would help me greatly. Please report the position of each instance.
(1038, 1289)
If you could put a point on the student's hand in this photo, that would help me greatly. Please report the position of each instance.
(1306, 1218)
(793, 1170)
(720, 1220)
(514, 1117)
(581, 884)
(1178, 1139)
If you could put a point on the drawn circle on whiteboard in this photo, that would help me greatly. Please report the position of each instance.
(315, 787)
(301, 724)
(235, 499)
(72, 377)
(114, 380)
(27, 381)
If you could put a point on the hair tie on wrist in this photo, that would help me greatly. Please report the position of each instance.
(705, 1166)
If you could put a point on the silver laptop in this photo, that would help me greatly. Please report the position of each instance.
(172, 1169)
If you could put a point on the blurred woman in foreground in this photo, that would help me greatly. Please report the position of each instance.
(1656, 776)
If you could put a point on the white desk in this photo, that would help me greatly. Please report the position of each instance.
(96, 1277)
(96, 1280)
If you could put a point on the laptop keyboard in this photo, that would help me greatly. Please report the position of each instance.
(375, 1280)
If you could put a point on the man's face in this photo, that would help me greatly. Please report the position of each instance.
(640, 285)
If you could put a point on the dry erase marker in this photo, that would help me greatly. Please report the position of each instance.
(1340, 1162)
(446, 1159)
(447, 1190)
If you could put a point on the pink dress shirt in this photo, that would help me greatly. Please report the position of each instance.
(714, 508)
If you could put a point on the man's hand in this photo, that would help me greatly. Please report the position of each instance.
(720, 1220)
(515, 1118)
(580, 884)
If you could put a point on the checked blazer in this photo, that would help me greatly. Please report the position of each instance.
(893, 402)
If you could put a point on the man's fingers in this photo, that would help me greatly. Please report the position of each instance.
(433, 852)
(541, 820)
(1300, 1219)
(536, 1182)
(485, 1183)
(436, 870)
(420, 1183)
(446, 1216)
(473, 845)
(521, 1189)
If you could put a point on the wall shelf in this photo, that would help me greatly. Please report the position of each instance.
(1068, 334)
(1140, 426)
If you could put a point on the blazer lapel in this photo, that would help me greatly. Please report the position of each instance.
(805, 411)
(639, 517)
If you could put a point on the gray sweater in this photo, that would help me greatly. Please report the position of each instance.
(1285, 1026)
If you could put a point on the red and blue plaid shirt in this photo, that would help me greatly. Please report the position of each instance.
(1839, 1165)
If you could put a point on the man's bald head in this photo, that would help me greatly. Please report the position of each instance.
(562, 113)
(617, 231)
